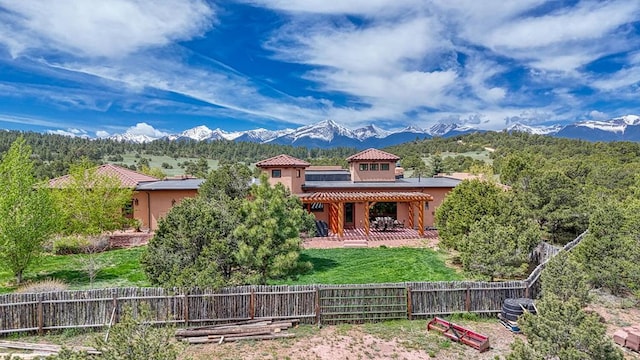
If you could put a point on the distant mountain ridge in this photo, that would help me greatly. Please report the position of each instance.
(327, 133)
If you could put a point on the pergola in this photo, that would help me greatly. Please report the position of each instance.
(336, 201)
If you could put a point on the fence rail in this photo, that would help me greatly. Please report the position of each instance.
(309, 303)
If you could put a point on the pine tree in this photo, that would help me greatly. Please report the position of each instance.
(269, 234)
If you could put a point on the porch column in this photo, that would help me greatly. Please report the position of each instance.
(366, 217)
(411, 215)
(333, 217)
(341, 219)
(421, 218)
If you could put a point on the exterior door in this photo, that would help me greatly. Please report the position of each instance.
(349, 215)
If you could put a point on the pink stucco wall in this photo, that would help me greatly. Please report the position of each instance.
(292, 178)
(358, 175)
(151, 206)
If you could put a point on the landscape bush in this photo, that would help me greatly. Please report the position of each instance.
(72, 244)
(43, 286)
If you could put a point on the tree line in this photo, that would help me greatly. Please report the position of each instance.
(53, 154)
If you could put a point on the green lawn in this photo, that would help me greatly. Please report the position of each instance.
(118, 268)
(374, 265)
(330, 266)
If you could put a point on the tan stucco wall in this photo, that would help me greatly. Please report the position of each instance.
(369, 175)
(154, 205)
(402, 208)
(289, 178)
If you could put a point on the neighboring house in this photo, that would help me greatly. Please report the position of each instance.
(370, 188)
(152, 198)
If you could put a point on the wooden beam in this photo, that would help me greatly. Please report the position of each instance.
(333, 217)
(421, 218)
(366, 217)
(341, 219)
(411, 215)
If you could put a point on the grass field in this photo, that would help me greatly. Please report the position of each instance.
(330, 266)
(156, 162)
(118, 268)
(374, 265)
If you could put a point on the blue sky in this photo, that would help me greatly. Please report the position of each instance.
(153, 67)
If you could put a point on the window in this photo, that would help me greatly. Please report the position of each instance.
(297, 173)
(276, 173)
(373, 167)
(364, 167)
(384, 167)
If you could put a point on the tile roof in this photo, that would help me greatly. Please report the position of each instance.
(319, 197)
(128, 178)
(282, 160)
(373, 154)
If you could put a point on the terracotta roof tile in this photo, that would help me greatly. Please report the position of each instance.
(282, 160)
(373, 154)
(319, 197)
(128, 178)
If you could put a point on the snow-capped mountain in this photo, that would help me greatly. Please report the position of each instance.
(132, 138)
(621, 128)
(537, 130)
(450, 129)
(370, 131)
(328, 133)
(203, 133)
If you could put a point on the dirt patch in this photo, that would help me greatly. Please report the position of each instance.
(404, 340)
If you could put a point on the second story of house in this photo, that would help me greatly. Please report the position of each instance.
(373, 165)
(370, 170)
(286, 170)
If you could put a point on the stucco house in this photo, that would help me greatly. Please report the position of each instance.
(152, 197)
(352, 198)
(369, 189)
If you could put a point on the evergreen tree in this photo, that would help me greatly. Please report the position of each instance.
(563, 330)
(465, 205)
(610, 252)
(499, 247)
(269, 241)
(27, 213)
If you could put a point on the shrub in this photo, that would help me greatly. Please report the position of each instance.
(43, 286)
(71, 245)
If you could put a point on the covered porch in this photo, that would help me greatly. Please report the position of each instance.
(336, 201)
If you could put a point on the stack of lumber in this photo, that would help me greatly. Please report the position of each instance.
(265, 329)
(628, 337)
(38, 350)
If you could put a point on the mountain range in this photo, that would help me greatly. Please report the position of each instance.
(328, 133)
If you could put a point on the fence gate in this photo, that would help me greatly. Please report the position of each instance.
(361, 304)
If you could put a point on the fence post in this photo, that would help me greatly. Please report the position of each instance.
(467, 300)
(318, 306)
(526, 289)
(409, 304)
(185, 308)
(115, 306)
(252, 304)
(40, 315)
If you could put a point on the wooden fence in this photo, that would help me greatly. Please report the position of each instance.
(310, 303)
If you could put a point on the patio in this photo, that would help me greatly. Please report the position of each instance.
(358, 238)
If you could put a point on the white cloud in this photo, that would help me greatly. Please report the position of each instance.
(113, 28)
(146, 129)
(102, 134)
(71, 132)
(376, 8)
(598, 115)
